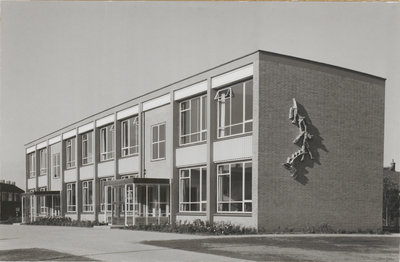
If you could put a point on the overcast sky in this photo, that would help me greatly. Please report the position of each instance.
(64, 61)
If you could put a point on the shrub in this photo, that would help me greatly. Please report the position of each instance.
(63, 221)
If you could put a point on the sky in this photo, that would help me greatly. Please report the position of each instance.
(64, 61)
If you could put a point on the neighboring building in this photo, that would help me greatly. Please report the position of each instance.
(218, 146)
(391, 181)
(10, 200)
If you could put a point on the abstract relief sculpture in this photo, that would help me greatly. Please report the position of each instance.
(301, 122)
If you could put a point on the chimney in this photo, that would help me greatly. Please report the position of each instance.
(392, 166)
(8, 182)
(13, 183)
(2, 181)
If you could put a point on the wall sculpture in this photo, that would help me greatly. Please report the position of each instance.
(303, 136)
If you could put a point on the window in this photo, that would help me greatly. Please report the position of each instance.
(107, 143)
(235, 109)
(10, 196)
(103, 192)
(56, 165)
(193, 120)
(234, 187)
(87, 154)
(129, 135)
(87, 195)
(4, 196)
(158, 142)
(193, 189)
(42, 202)
(71, 197)
(16, 197)
(43, 162)
(32, 165)
(70, 153)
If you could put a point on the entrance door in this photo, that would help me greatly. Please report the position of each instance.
(118, 205)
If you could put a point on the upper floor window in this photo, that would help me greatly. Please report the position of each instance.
(235, 109)
(193, 120)
(107, 143)
(32, 164)
(43, 162)
(87, 195)
(87, 150)
(4, 196)
(16, 197)
(158, 142)
(56, 165)
(129, 136)
(235, 187)
(70, 156)
(10, 196)
(193, 189)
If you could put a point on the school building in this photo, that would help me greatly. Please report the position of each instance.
(265, 140)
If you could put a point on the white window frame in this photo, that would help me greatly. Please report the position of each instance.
(43, 207)
(32, 165)
(70, 149)
(105, 152)
(222, 98)
(103, 192)
(87, 150)
(87, 196)
(203, 126)
(181, 179)
(71, 196)
(229, 202)
(126, 148)
(56, 165)
(158, 142)
(43, 162)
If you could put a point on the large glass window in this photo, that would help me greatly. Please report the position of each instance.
(56, 165)
(103, 192)
(32, 164)
(235, 109)
(193, 189)
(129, 136)
(87, 195)
(107, 143)
(42, 202)
(158, 142)
(234, 187)
(70, 157)
(193, 120)
(71, 197)
(87, 148)
(4, 196)
(43, 162)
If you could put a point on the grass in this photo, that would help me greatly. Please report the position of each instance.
(293, 248)
(38, 254)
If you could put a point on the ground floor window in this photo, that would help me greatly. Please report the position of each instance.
(42, 202)
(151, 200)
(87, 195)
(71, 197)
(234, 187)
(193, 189)
(105, 191)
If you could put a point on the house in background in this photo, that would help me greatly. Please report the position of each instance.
(391, 197)
(10, 201)
(221, 146)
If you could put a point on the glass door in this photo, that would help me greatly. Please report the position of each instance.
(118, 205)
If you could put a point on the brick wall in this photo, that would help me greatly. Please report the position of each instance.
(342, 186)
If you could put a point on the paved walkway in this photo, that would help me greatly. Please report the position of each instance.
(110, 244)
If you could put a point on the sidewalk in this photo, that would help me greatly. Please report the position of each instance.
(115, 244)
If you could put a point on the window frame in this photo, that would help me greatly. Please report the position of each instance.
(70, 156)
(71, 196)
(203, 126)
(244, 201)
(158, 142)
(125, 149)
(43, 162)
(230, 95)
(42, 202)
(201, 202)
(32, 164)
(103, 195)
(87, 196)
(105, 153)
(56, 165)
(87, 148)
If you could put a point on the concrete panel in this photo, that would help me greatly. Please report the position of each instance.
(56, 184)
(105, 120)
(85, 128)
(42, 181)
(232, 76)
(31, 183)
(191, 155)
(190, 218)
(86, 172)
(70, 175)
(233, 149)
(41, 145)
(128, 112)
(69, 134)
(190, 90)
(72, 216)
(128, 165)
(237, 220)
(105, 169)
(31, 149)
(156, 102)
(54, 140)
(87, 217)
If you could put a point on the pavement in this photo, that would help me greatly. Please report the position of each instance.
(113, 244)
